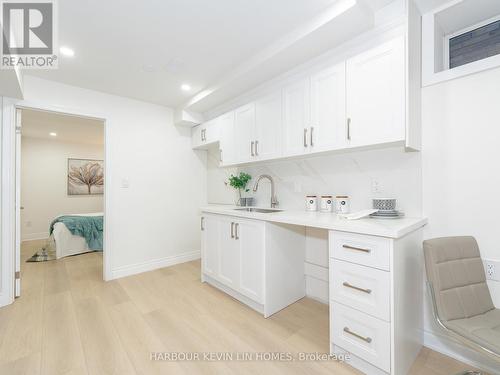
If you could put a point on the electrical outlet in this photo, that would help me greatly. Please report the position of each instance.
(490, 271)
(490, 268)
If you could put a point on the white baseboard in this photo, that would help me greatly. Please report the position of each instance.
(34, 236)
(154, 264)
(451, 348)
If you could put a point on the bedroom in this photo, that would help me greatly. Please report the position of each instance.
(62, 189)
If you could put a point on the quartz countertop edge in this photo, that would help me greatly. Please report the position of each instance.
(395, 228)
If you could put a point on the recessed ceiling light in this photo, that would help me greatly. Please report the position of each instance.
(185, 87)
(52, 134)
(66, 51)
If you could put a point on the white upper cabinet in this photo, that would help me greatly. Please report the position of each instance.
(205, 134)
(244, 125)
(327, 130)
(227, 147)
(296, 118)
(268, 127)
(257, 130)
(365, 101)
(314, 111)
(376, 95)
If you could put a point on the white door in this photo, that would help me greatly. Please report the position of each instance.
(251, 241)
(268, 126)
(244, 133)
(328, 120)
(296, 118)
(17, 285)
(229, 256)
(375, 84)
(226, 130)
(210, 245)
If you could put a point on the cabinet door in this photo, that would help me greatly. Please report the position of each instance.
(211, 131)
(328, 121)
(197, 136)
(244, 131)
(229, 255)
(210, 245)
(268, 127)
(226, 131)
(296, 118)
(376, 95)
(251, 242)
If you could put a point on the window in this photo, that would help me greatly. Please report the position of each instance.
(473, 45)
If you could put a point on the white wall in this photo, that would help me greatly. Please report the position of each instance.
(44, 196)
(155, 221)
(460, 161)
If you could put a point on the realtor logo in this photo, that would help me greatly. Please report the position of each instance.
(28, 40)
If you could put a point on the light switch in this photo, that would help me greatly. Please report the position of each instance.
(125, 183)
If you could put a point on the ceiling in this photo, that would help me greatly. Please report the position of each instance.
(39, 124)
(147, 49)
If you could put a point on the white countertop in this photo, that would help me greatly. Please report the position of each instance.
(393, 228)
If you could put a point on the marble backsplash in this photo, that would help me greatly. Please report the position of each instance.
(359, 174)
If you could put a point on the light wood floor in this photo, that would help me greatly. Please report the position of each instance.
(68, 321)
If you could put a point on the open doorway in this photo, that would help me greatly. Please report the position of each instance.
(60, 194)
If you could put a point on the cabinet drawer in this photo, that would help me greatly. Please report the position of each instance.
(361, 249)
(363, 288)
(361, 334)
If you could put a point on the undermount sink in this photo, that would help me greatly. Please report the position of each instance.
(261, 210)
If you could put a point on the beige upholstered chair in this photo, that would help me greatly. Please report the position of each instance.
(461, 298)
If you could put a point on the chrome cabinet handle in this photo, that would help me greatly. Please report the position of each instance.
(202, 221)
(305, 137)
(348, 128)
(311, 136)
(367, 339)
(232, 230)
(356, 248)
(251, 148)
(236, 230)
(347, 285)
(220, 156)
(256, 148)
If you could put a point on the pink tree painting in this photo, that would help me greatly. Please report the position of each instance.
(85, 177)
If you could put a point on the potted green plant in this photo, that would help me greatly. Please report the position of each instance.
(240, 184)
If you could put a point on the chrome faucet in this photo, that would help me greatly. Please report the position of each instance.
(274, 199)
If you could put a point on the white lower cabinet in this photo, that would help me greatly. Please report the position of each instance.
(259, 263)
(251, 241)
(362, 335)
(209, 245)
(376, 300)
(228, 254)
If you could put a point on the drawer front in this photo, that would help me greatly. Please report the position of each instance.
(361, 249)
(363, 335)
(363, 288)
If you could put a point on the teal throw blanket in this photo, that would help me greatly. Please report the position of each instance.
(89, 227)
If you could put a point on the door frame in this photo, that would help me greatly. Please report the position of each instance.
(9, 190)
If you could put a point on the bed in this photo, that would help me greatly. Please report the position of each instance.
(67, 243)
